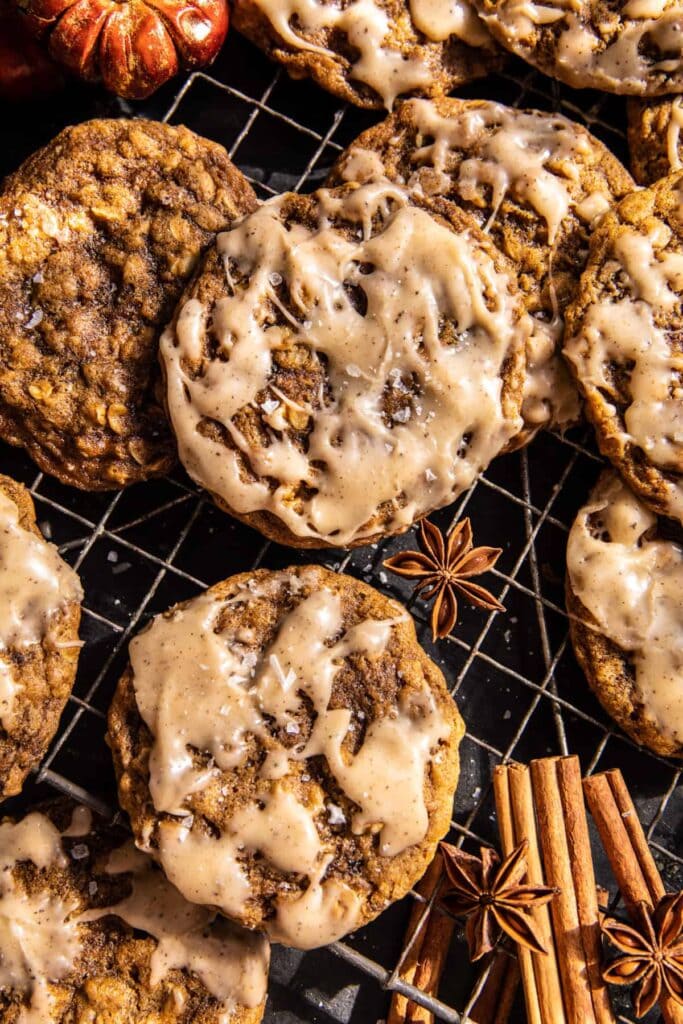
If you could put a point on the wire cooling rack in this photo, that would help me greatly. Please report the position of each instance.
(513, 675)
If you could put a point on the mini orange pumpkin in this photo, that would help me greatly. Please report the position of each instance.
(133, 46)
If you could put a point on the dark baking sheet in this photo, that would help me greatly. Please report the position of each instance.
(513, 675)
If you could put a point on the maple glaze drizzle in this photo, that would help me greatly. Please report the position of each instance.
(39, 937)
(414, 274)
(202, 687)
(35, 584)
(367, 26)
(633, 587)
(627, 332)
(231, 962)
(530, 157)
(647, 42)
(42, 938)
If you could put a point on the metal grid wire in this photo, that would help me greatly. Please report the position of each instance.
(513, 675)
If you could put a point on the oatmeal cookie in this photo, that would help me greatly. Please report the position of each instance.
(287, 751)
(623, 342)
(655, 138)
(534, 181)
(625, 603)
(344, 363)
(40, 597)
(634, 48)
(99, 232)
(369, 52)
(91, 930)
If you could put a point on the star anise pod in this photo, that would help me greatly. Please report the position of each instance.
(652, 954)
(493, 898)
(445, 571)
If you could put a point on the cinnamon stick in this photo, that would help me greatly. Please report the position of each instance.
(564, 909)
(494, 1003)
(508, 841)
(629, 855)
(423, 964)
(540, 976)
(583, 875)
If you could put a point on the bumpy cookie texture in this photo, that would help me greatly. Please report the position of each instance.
(369, 52)
(99, 232)
(625, 602)
(535, 182)
(623, 342)
(40, 597)
(655, 138)
(91, 930)
(287, 751)
(345, 363)
(634, 48)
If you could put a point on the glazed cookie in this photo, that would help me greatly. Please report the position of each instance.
(369, 52)
(655, 138)
(40, 605)
(345, 363)
(91, 930)
(623, 342)
(99, 232)
(534, 181)
(287, 751)
(634, 47)
(625, 603)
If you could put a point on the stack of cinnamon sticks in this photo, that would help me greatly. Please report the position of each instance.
(544, 804)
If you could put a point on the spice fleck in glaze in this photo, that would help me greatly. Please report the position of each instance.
(277, 743)
(629, 583)
(345, 363)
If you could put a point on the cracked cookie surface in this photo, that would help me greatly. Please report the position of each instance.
(99, 232)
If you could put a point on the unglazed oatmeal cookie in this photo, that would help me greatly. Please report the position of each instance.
(625, 602)
(634, 47)
(344, 363)
(535, 182)
(91, 930)
(655, 138)
(40, 603)
(287, 751)
(99, 232)
(623, 342)
(369, 52)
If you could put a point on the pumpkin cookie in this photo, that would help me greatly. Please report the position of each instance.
(345, 363)
(40, 609)
(625, 602)
(623, 342)
(91, 930)
(369, 52)
(634, 48)
(655, 138)
(99, 232)
(534, 181)
(287, 751)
